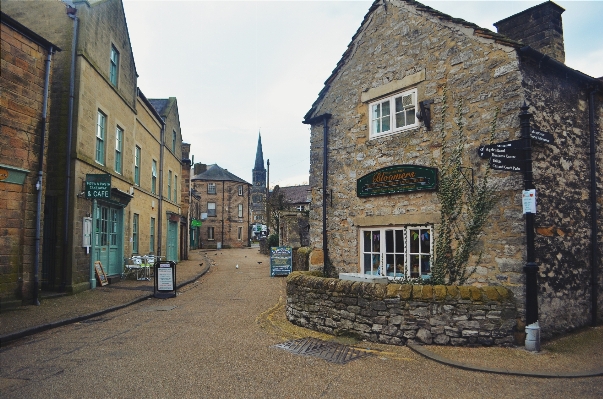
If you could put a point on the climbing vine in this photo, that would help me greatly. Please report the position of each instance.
(465, 205)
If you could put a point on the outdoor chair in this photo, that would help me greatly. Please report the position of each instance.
(133, 265)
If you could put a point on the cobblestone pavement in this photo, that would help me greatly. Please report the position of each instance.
(217, 339)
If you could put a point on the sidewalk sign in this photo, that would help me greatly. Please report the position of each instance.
(100, 273)
(281, 261)
(165, 279)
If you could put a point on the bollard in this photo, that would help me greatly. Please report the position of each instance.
(533, 337)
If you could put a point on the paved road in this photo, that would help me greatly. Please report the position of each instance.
(215, 340)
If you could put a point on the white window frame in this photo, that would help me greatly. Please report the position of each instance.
(241, 190)
(240, 211)
(240, 233)
(210, 233)
(114, 66)
(137, 158)
(385, 261)
(119, 139)
(169, 185)
(377, 120)
(101, 129)
(211, 188)
(154, 177)
(213, 207)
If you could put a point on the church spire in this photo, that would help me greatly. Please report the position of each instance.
(259, 155)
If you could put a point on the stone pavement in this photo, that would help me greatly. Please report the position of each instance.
(576, 355)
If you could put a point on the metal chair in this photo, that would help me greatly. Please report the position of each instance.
(133, 265)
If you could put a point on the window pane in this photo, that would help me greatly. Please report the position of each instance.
(410, 116)
(385, 108)
(367, 241)
(425, 264)
(376, 263)
(389, 241)
(414, 241)
(400, 120)
(389, 265)
(367, 264)
(400, 266)
(376, 241)
(400, 241)
(414, 266)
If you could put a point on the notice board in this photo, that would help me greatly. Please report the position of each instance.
(281, 261)
(100, 273)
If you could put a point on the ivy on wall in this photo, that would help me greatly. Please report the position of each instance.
(465, 206)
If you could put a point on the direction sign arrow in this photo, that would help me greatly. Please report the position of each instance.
(545, 137)
(485, 151)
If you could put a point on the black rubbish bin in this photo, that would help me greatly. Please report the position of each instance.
(165, 279)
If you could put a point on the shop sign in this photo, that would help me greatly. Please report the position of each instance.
(281, 261)
(195, 223)
(98, 186)
(397, 179)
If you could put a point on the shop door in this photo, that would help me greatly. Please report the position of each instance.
(108, 236)
(115, 228)
(172, 241)
(101, 236)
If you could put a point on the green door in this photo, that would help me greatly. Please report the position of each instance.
(108, 238)
(172, 241)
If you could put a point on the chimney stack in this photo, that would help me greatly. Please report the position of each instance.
(539, 27)
(199, 168)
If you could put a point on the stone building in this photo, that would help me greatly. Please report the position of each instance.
(25, 72)
(384, 111)
(226, 202)
(110, 193)
(191, 205)
(258, 191)
(293, 221)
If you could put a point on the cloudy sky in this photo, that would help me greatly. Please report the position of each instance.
(242, 67)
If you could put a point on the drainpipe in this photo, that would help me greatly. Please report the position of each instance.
(325, 169)
(223, 205)
(160, 201)
(39, 185)
(67, 207)
(593, 201)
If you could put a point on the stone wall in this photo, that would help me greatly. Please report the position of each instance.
(21, 107)
(396, 314)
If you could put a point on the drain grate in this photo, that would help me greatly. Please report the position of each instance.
(330, 351)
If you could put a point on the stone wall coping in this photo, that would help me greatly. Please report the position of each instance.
(427, 293)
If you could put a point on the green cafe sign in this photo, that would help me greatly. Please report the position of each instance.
(397, 179)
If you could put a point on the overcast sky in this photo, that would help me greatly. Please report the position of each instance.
(241, 67)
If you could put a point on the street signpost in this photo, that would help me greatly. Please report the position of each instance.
(516, 156)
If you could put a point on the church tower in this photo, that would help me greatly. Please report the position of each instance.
(258, 190)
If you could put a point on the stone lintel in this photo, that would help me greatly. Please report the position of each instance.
(393, 86)
(423, 218)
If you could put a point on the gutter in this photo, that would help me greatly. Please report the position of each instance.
(325, 169)
(67, 207)
(39, 184)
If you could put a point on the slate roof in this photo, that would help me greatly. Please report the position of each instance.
(216, 173)
(159, 104)
(296, 194)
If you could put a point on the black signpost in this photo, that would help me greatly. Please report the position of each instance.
(281, 261)
(165, 279)
(516, 156)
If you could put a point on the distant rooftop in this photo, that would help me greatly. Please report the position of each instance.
(216, 173)
(296, 194)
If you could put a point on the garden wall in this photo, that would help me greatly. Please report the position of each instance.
(395, 313)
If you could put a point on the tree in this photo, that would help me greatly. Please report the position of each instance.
(275, 202)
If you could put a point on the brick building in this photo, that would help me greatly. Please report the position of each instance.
(225, 201)
(104, 131)
(26, 71)
(383, 110)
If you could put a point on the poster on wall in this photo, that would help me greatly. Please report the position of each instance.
(397, 179)
(281, 261)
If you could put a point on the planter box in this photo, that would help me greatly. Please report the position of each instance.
(363, 278)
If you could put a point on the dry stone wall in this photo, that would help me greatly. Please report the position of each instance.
(396, 314)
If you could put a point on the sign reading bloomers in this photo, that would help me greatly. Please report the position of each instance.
(397, 179)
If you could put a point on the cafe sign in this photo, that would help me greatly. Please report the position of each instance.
(98, 186)
(397, 179)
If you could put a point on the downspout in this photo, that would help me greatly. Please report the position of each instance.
(67, 206)
(593, 201)
(39, 185)
(248, 216)
(160, 201)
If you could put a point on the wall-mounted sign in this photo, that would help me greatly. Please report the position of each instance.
(397, 179)
(11, 174)
(195, 223)
(98, 186)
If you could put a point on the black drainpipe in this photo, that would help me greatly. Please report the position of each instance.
(39, 185)
(66, 205)
(593, 202)
(160, 200)
(325, 169)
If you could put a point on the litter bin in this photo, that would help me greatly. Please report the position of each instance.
(533, 337)
(219, 245)
(165, 279)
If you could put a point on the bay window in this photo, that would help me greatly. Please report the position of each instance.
(404, 251)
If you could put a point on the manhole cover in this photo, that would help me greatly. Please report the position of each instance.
(333, 352)
(158, 308)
